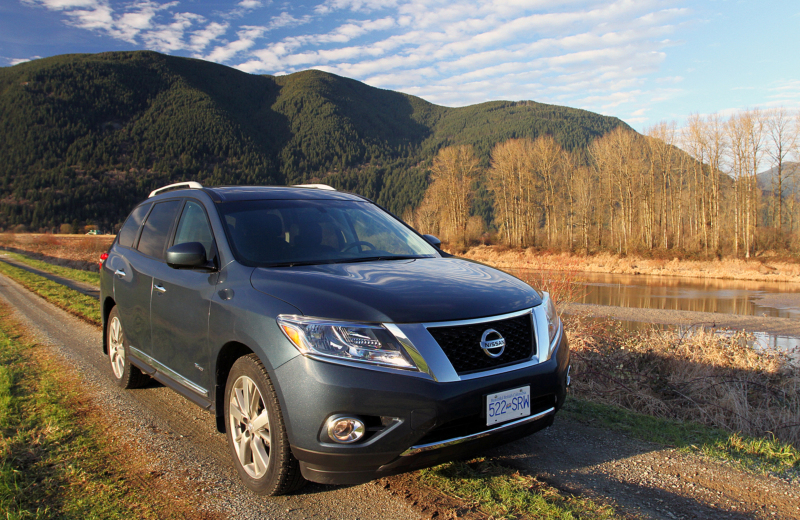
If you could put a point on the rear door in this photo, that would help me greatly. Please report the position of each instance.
(131, 287)
(144, 261)
(180, 306)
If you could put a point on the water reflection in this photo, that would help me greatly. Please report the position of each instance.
(684, 294)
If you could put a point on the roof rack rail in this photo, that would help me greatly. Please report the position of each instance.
(315, 186)
(191, 184)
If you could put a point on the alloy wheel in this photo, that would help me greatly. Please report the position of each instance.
(249, 424)
(116, 348)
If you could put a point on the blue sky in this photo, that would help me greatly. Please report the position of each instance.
(643, 61)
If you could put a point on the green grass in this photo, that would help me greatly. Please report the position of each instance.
(68, 299)
(54, 463)
(502, 492)
(754, 454)
(64, 272)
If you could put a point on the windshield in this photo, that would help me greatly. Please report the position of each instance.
(300, 232)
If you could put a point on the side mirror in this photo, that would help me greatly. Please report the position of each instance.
(186, 256)
(432, 240)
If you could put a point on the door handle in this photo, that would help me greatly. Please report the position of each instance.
(119, 273)
(159, 288)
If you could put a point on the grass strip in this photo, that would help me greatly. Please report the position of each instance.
(755, 454)
(64, 272)
(72, 301)
(502, 492)
(54, 463)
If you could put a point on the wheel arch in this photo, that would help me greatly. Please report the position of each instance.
(226, 357)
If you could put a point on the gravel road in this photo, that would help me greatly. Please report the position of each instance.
(647, 480)
(178, 439)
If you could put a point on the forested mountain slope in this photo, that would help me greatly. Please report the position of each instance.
(84, 137)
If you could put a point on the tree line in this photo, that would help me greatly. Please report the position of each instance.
(695, 189)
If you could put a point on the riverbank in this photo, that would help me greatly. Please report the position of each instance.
(759, 269)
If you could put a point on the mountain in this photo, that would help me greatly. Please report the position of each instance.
(790, 172)
(86, 136)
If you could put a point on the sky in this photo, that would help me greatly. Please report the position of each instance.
(644, 61)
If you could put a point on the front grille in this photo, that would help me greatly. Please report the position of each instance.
(477, 423)
(462, 343)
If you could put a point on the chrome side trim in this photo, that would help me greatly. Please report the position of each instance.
(413, 450)
(168, 372)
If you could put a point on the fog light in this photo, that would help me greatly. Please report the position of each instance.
(569, 379)
(345, 429)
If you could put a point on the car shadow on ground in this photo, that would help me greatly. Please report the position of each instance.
(609, 466)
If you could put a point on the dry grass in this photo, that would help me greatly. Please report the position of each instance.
(74, 250)
(715, 379)
(761, 269)
(564, 286)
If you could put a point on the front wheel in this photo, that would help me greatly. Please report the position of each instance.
(125, 374)
(256, 432)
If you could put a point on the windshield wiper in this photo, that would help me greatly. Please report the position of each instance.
(345, 260)
(379, 258)
(297, 263)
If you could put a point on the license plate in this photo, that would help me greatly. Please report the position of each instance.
(507, 405)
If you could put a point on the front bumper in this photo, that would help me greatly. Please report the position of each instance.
(415, 422)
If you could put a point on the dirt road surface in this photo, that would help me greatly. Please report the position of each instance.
(180, 439)
(180, 443)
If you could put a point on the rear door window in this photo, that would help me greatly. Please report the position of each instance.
(156, 229)
(131, 227)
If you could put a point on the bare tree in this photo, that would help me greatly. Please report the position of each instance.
(512, 181)
(662, 152)
(782, 135)
(453, 173)
(547, 154)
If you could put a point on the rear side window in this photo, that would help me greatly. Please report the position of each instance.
(157, 228)
(128, 232)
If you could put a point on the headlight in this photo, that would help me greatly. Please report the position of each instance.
(341, 340)
(553, 321)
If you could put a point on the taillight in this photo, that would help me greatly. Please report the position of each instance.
(103, 258)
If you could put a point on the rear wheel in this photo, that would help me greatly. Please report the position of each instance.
(256, 432)
(125, 374)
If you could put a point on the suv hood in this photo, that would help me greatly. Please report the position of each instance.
(401, 291)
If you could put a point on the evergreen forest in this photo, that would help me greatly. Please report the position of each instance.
(84, 137)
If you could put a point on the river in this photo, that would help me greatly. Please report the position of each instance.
(730, 297)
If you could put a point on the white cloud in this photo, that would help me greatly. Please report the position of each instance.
(17, 61)
(154, 24)
(247, 38)
(595, 54)
(202, 38)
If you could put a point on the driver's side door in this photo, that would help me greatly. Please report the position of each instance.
(180, 306)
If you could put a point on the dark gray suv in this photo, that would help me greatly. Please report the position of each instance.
(332, 342)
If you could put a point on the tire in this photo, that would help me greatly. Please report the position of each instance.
(124, 373)
(256, 431)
